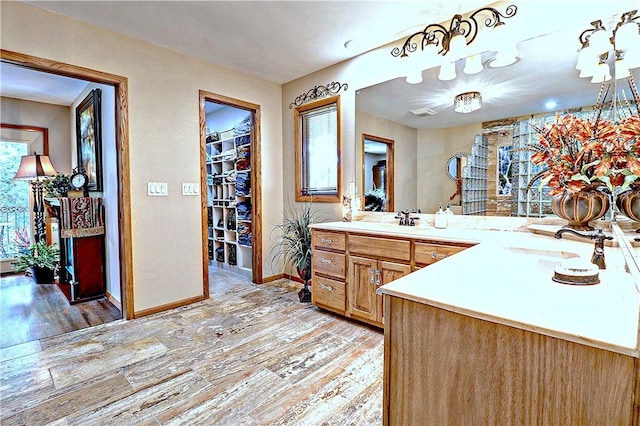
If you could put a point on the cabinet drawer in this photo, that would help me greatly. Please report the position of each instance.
(329, 263)
(329, 293)
(427, 253)
(380, 247)
(329, 240)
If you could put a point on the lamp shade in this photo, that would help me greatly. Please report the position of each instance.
(602, 73)
(447, 71)
(457, 47)
(599, 41)
(414, 77)
(628, 36)
(473, 64)
(35, 166)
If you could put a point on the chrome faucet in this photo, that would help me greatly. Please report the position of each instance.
(406, 219)
(598, 251)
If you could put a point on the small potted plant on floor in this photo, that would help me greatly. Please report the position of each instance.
(40, 261)
(294, 245)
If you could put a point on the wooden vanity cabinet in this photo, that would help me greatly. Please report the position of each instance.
(329, 270)
(348, 268)
(427, 253)
(374, 262)
(365, 276)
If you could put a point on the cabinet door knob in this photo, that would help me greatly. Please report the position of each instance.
(378, 279)
(326, 287)
(435, 255)
(327, 240)
(325, 260)
(371, 279)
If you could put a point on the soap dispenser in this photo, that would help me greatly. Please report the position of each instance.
(448, 211)
(440, 218)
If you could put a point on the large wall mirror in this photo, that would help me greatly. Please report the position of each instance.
(427, 160)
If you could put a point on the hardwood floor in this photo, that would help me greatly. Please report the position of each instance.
(250, 355)
(30, 311)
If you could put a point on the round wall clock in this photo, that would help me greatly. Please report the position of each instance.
(79, 181)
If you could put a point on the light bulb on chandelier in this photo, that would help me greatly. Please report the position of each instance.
(444, 45)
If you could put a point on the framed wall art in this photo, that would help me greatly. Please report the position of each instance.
(89, 140)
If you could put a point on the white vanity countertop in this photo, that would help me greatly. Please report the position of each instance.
(506, 278)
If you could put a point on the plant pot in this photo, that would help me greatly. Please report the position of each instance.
(42, 275)
(580, 208)
(629, 204)
(305, 294)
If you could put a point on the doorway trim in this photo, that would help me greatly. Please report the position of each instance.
(256, 187)
(120, 85)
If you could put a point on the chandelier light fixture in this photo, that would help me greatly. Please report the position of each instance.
(448, 45)
(597, 45)
(467, 102)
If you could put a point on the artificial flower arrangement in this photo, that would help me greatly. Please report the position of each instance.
(581, 155)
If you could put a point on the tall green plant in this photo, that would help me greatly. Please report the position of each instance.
(294, 243)
(39, 255)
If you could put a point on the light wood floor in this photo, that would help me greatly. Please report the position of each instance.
(30, 311)
(250, 355)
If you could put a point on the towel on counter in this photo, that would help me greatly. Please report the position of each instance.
(81, 217)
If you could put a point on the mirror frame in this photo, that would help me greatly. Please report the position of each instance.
(389, 174)
(457, 156)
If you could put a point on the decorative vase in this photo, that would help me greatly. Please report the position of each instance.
(580, 208)
(629, 204)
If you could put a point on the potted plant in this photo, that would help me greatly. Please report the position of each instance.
(293, 246)
(39, 260)
(583, 160)
(56, 186)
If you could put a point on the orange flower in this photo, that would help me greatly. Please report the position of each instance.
(580, 154)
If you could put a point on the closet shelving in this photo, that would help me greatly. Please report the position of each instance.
(229, 197)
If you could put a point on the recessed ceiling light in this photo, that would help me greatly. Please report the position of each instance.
(550, 104)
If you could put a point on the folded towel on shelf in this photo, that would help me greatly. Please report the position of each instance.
(244, 210)
(243, 184)
(81, 217)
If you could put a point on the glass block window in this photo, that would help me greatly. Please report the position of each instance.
(474, 178)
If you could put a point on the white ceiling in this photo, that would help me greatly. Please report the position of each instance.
(283, 40)
(278, 41)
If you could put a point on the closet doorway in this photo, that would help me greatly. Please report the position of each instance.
(230, 176)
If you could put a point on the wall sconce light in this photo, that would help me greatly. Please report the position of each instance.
(467, 102)
(597, 43)
(33, 167)
(435, 41)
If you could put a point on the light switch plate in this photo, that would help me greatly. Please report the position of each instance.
(190, 188)
(157, 189)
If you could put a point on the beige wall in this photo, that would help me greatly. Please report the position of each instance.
(404, 153)
(56, 118)
(434, 149)
(164, 139)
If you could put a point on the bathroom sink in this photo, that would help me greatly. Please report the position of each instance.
(386, 226)
(538, 258)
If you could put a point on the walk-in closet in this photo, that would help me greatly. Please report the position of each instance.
(229, 146)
